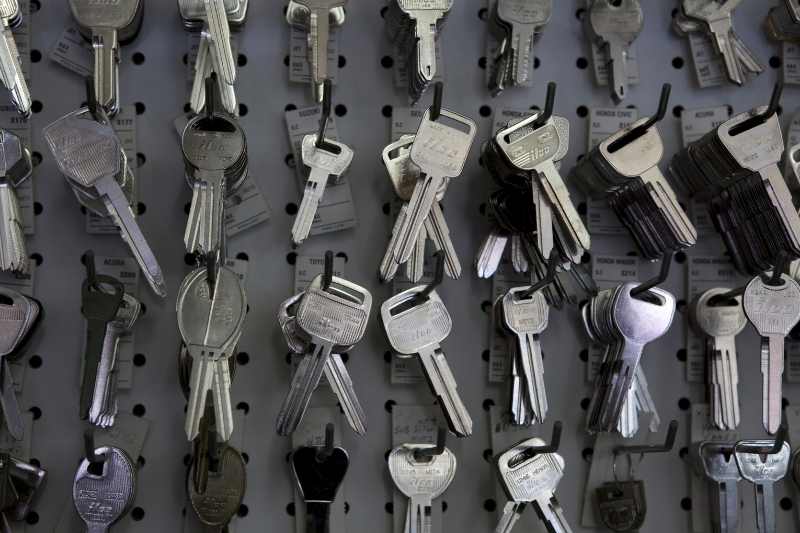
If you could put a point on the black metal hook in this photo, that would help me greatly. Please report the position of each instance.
(639, 131)
(327, 275)
(324, 452)
(89, 450)
(211, 95)
(322, 144)
(669, 443)
(553, 445)
(91, 269)
(438, 278)
(550, 277)
(91, 100)
(761, 118)
(212, 269)
(423, 455)
(776, 448)
(549, 104)
(666, 264)
(436, 108)
(781, 265)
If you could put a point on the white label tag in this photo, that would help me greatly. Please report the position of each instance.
(299, 67)
(705, 272)
(246, 208)
(405, 121)
(73, 52)
(604, 122)
(308, 267)
(336, 210)
(608, 271)
(791, 63)
(708, 65)
(125, 125)
(415, 424)
(311, 432)
(503, 280)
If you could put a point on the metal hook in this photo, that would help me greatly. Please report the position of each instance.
(666, 264)
(327, 276)
(760, 118)
(777, 447)
(436, 108)
(778, 271)
(322, 144)
(211, 95)
(91, 99)
(555, 441)
(550, 277)
(324, 453)
(91, 269)
(212, 269)
(545, 115)
(669, 443)
(89, 450)
(424, 455)
(639, 131)
(437, 279)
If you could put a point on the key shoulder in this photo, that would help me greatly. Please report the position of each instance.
(773, 310)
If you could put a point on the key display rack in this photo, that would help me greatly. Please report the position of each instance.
(369, 105)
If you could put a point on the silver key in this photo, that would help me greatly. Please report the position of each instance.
(219, 31)
(490, 253)
(10, 68)
(722, 470)
(425, 17)
(439, 232)
(717, 15)
(15, 167)
(763, 471)
(616, 25)
(88, 154)
(525, 19)
(102, 500)
(421, 481)
(773, 310)
(417, 331)
(415, 267)
(319, 33)
(323, 165)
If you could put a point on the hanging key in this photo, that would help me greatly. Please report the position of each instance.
(319, 473)
(103, 498)
(763, 471)
(616, 24)
(10, 67)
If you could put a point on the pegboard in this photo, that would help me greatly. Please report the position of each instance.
(153, 77)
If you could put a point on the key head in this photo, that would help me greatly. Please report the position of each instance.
(525, 315)
(9, 9)
(85, 150)
(525, 12)
(429, 477)
(526, 477)
(709, 10)
(636, 157)
(212, 325)
(321, 4)
(319, 476)
(224, 490)
(402, 172)
(719, 320)
(440, 149)
(15, 160)
(336, 317)
(411, 6)
(101, 500)
(116, 14)
(15, 311)
(526, 148)
(772, 309)
(621, 20)
(101, 301)
(757, 147)
(642, 321)
(216, 143)
(621, 505)
(287, 320)
(335, 164)
(410, 329)
(757, 468)
(718, 465)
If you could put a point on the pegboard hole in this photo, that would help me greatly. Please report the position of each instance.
(36, 56)
(243, 110)
(137, 514)
(37, 106)
(138, 58)
(37, 258)
(342, 255)
(786, 504)
(387, 111)
(483, 14)
(681, 355)
(32, 518)
(139, 410)
(582, 111)
(579, 14)
(245, 458)
(485, 111)
(291, 258)
(35, 361)
(678, 62)
(36, 412)
(586, 258)
(242, 358)
(243, 406)
(386, 208)
(775, 62)
(140, 108)
(243, 511)
(585, 403)
(684, 404)
(680, 258)
(242, 256)
(342, 61)
(36, 158)
(35, 6)
(489, 505)
(486, 306)
(340, 110)
(587, 454)
(387, 61)
(141, 461)
(488, 453)
(141, 208)
(389, 405)
(485, 355)
(241, 60)
(488, 403)
(683, 452)
(582, 63)
(292, 209)
(388, 507)
(286, 61)
(139, 360)
(482, 63)
(141, 159)
(686, 504)
(677, 111)
(37, 208)
(289, 160)
(584, 355)
(536, 63)
(290, 509)
(290, 107)
(387, 357)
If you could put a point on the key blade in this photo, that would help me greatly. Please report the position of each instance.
(219, 31)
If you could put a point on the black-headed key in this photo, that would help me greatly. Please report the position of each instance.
(319, 476)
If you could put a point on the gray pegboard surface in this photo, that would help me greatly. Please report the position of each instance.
(364, 88)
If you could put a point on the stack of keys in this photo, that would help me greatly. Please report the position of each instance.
(89, 154)
(110, 313)
(404, 175)
(614, 25)
(413, 28)
(19, 317)
(335, 371)
(214, 20)
(714, 18)
(19, 486)
(625, 323)
(517, 26)
(215, 156)
(624, 169)
(720, 318)
(522, 317)
(107, 25)
(11, 73)
(763, 466)
(317, 18)
(16, 166)
(783, 21)
(205, 295)
(719, 466)
(735, 166)
(415, 322)
(332, 315)
(422, 474)
(529, 477)
(439, 151)
(103, 492)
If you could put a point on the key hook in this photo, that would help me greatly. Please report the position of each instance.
(555, 441)
(436, 108)
(91, 269)
(324, 453)
(760, 118)
(91, 100)
(669, 443)
(95, 461)
(639, 131)
(438, 278)
(211, 95)
(666, 264)
(212, 271)
(322, 143)
(781, 266)
(550, 277)
(777, 447)
(545, 115)
(327, 276)
(424, 455)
